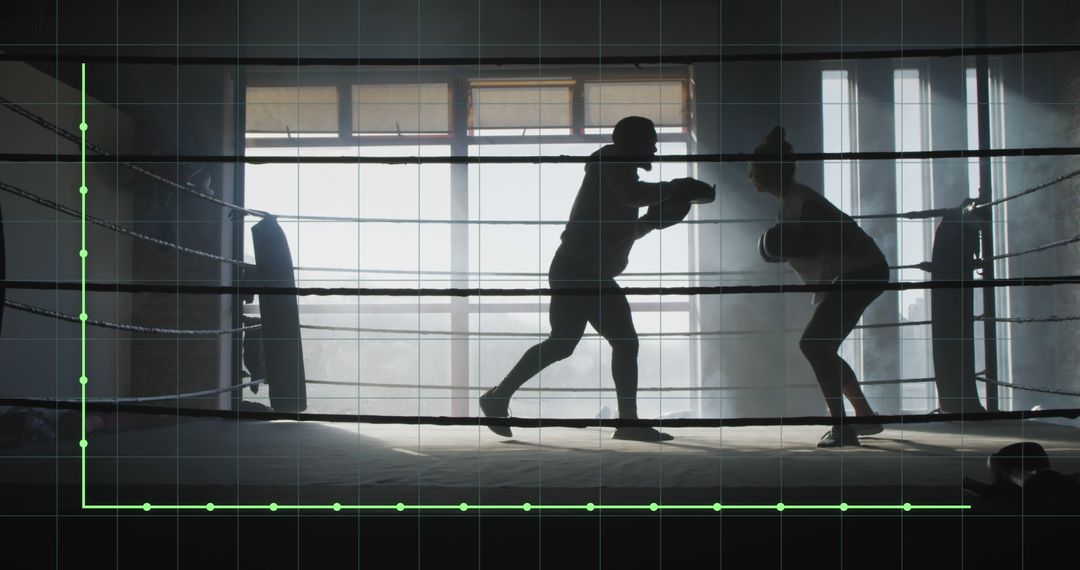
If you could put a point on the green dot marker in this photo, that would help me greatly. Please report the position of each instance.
(526, 507)
(209, 506)
(82, 443)
(82, 126)
(82, 316)
(82, 380)
(653, 507)
(589, 507)
(464, 506)
(337, 506)
(907, 506)
(82, 253)
(401, 507)
(146, 506)
(779, 506)
(273, 506)
(82, 190)
(716, 506)
(843, 507)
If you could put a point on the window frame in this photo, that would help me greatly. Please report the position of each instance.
(460, 137)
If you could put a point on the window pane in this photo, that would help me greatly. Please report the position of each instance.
(664, 102)
(521, 106)
(914, 239)
(836, 113)
(407, 108)
(292, 110)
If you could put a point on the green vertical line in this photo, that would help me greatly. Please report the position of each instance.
(82, 287)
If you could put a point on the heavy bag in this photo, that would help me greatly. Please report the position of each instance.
(282, 349)
(952, 318)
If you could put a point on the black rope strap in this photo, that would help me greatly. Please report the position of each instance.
(575, 291)
(14, 190)
(534, 335)
(891, 325)
(533, 274)
(728, 55)
(734, 157)
(603, 389)
(446, 221)
(1071, 413)
(123, 327)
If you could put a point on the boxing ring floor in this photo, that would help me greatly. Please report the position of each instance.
(200, 460)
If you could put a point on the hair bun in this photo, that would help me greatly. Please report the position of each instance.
(776, 134)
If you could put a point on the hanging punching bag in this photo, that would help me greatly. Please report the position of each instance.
(952, 320)
(282, 350)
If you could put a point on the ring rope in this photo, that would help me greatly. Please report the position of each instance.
(575, 291)
(137, 235)
(1039, 249)
(925, 266)
(538, 334)
(72, 137)
(591, 61)
(124, 327)
(1047, 184)
(587, 335)
(95, 403)
(41, 121)
(1071, 413)
(934, 212)
(527, 274)
(912, 215)
(1054, 391)
(444, 221)
(1050, 319)
(14, 190)
(731, 157)
(601, 389)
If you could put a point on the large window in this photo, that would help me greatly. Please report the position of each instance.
(914, 191)
(441, 225)
(839, 119)
(999, 185)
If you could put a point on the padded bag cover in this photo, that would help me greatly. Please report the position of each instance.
(282, 350)
(952, 319)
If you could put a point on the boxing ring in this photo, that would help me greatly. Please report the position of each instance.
(291, 459)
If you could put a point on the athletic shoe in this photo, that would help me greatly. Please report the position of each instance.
(840, 436)
(646, 434)
(496, 407)
(868, 429)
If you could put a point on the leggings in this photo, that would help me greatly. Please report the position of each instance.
(832, 321)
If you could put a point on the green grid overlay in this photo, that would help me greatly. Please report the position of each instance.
(399, 507)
